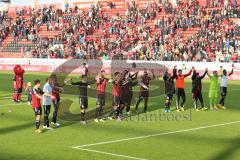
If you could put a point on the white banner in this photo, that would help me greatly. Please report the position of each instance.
(75, 66)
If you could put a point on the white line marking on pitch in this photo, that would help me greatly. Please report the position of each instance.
(154, 135)
(112, 154)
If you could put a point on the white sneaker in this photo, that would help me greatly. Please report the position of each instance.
(96, 120)
(83, 122)
(48, 128)
(55, 124)
(101, 120)
(128, 113)
(110, 118)
(29, 103)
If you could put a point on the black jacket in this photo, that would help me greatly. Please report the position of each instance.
(197, 82)
(169, 84)
(83, 87)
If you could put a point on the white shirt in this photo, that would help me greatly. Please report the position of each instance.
(224, 81)
(47, 100)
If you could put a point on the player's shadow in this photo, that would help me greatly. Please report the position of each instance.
(11, 129)
(8, 155)
(228, 152)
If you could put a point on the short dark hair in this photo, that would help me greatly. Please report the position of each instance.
(37, 81)
(47, 79)
(116, 73)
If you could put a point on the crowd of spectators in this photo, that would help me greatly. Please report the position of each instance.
(154, 32)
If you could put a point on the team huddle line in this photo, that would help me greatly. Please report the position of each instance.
(122, 92)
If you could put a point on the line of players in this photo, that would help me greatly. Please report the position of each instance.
(122, 92)
(178, 89)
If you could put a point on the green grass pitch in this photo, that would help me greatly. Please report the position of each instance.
(204, 135)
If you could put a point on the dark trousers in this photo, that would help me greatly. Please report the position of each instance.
(223, 95)
(198, 96)
(55, 112)
(129, 101)
(29, 99)
(143, 96)
(180, 93)
(46, 114)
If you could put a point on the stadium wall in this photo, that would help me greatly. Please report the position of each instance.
(74, 66)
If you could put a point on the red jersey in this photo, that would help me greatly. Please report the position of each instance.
(18, 82)
(55, 95)
(55, 92)
(36, 102)
(115, 89)
(101, 85)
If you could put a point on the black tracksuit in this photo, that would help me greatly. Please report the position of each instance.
(169, 85)
(128, 93)
(83, 96)
(169, 89)
(197, 88)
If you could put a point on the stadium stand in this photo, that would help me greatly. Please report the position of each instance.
(194, 30)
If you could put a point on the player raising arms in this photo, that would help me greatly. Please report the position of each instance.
(101, 88)
(144, 89)
(197, 88)
(224, 83)
(83, 95)
(169, 90)
(36, 104)
(128, 83)
(213, 90)
(180, 84)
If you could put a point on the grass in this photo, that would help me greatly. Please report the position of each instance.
(19, 141)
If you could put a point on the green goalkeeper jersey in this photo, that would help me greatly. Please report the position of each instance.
(213, 82)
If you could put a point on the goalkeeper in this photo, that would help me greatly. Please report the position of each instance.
(213, 90)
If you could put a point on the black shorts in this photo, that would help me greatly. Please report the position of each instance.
(18, 91)
(101, 99)
(115, 100)
(83, 101)
(223, 91)
(46, 109)
(169, 96)
(144, 94)
(38, 111)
